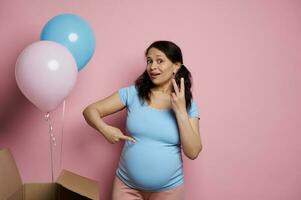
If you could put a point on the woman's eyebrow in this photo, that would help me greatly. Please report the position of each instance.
(155, 56)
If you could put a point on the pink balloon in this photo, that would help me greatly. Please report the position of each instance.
(46, 73)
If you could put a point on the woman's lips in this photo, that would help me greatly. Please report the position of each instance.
(155, 75)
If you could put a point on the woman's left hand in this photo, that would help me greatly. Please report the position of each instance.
(178, 101)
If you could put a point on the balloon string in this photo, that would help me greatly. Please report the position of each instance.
(62, 135)
(51, 140)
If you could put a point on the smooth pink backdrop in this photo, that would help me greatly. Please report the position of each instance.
(245, 60)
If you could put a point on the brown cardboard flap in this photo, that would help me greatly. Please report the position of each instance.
(39, 191)
(18, 195)
(9, 175)
(79, 184)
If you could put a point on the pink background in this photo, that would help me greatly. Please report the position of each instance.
(245, 60)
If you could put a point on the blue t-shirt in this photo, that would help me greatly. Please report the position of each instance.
(154, 162)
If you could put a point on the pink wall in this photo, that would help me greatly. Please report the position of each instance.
(245, 60)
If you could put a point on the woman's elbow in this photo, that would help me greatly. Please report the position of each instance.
(86, 112)
(193, 155)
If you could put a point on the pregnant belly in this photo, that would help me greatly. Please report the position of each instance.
(151, 167)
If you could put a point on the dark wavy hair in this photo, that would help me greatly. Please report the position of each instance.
(144, 84)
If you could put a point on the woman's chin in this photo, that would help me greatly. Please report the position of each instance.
(155, 81)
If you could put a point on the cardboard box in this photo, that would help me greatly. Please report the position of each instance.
(68, 185)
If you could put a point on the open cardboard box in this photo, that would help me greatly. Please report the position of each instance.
(68, 185)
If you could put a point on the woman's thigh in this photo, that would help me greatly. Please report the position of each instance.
(176, 193)
(121, 191)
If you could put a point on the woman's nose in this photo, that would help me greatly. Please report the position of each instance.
(153, 65)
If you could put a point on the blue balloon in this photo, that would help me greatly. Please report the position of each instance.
(73, 32)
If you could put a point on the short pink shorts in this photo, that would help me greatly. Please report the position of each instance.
(123, 192)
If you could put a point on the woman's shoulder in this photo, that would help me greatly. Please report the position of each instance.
(129, 95)
(130, 88)
(129, 91)
(133, 87)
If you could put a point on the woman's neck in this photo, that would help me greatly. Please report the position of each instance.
(164, 89)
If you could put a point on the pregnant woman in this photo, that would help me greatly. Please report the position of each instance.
(162, 120)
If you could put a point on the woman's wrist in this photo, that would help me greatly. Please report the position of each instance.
(101, 126)
(181, 114)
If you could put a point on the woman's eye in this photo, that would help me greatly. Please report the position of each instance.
(148, 61)
(159, 61)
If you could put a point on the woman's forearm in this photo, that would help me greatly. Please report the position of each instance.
(190, 140)
(93, 118)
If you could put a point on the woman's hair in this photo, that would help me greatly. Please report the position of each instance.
(143, 83)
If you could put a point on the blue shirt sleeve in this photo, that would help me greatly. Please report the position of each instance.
(126, 95)
(123, 95)
(194, 111)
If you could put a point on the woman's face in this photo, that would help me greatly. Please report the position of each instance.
(159, 68)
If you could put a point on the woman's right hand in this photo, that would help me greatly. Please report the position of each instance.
(114, 135)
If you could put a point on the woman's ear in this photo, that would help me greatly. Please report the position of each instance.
(177, 67)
